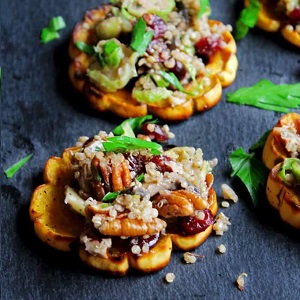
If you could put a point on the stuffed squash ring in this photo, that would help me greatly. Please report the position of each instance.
(283, 141)
(117, 194)
(283, 190)
(280, 15)
(157, 57)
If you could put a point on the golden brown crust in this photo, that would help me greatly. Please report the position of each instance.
(274, 149)
(283, 198)
(54, 222)
(271, 21)
(222, 66)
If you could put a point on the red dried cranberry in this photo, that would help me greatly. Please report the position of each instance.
(294, 16)
(157, 24)
(193, 225)
(155, 132)
(136, 163)
(179, 70)
(206, 46)
(160, 162)
(141, 241)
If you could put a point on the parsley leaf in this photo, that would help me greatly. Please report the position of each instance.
(247, 19)
(251, 171)
(204, 8)
(267, 95)
(140, 37)
(17, 166)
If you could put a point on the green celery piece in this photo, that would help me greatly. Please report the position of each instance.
(140, 37)
(125, 143)
(266, 95)
(247, 19)
(112, 53)
(135, 124)
(57, 23)
(17, 166)
(251, 171)
(48, 35)
(204, 8)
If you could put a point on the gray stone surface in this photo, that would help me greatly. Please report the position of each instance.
(41, 114)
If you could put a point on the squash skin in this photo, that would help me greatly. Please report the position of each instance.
(271, 23)
(222, 67)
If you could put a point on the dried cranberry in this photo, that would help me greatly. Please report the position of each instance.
(179, 70)
(136, 163)
(193, 225)
(160, 162)
(155, 132)
(294, 16)
(150, 241)
(157, 24)
(206, 46)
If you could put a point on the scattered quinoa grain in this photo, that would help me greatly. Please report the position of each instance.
(191, 258)
(241, 281)
(222, 249)
(170, 277)
(225, 204)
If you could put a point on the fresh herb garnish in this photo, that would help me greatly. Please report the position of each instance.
(247, 19)
(140, 37)
(173, 80)
(251, 171)
(82, 46)
(134, 123)
(112, 53)
(17, 166)
(261, 142)
(204, 8)
(110, 196)
(125, 143)
(290, 166)
(51, 32)
(267, 95)
(140, 177)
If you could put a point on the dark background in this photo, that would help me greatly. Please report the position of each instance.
(41, 114)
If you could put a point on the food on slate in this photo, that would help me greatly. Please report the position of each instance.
(283, 190)
(166, 58)
(280, 15)
(283, 141)
(125, 199)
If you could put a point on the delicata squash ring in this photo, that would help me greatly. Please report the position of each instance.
(125, 200)
(283, 190)
(185, 62)
(280, 15)
(283, 141)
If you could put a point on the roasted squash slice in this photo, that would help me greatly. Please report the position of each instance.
(282, 16)
(202, 85)
(283, 141)
(283, 190)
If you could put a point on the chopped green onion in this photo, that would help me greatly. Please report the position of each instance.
(15, 167)
(140, 177)
(82, 46)
(290, 166)
(140, 37)
(125, 143)
(48, 35)
(110, 196)
(57, 23)
(173, 80)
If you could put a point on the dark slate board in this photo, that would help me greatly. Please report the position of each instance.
(41, 114)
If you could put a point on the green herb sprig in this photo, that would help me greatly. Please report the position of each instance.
(204, 8)
(51, 32)
(247, 19)
(173, 80)
(267, 95)
(17, 166)
(251, 171)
